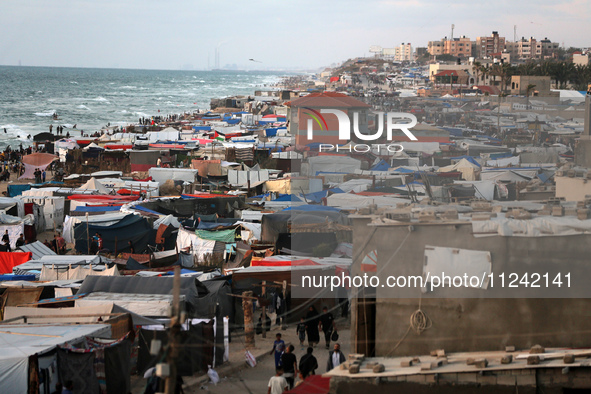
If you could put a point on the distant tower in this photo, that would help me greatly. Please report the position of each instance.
(452, 31)
(583, 146)
(514, 33)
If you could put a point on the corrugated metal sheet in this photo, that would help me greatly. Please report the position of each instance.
(38, 249)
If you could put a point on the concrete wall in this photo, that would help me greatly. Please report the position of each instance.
(573, 189)
(475, 323)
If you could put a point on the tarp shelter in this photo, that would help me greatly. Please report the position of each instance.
(179, 207)
(98, 220)
(193, 290)
(34, 161)
(9, 260)
(242, 178)
(143, 160)
(53, 209)
(93, 184)
(162, 175)
(60, 260)
(331, 163)
(116, 236)
(470, 171)
(18, 344)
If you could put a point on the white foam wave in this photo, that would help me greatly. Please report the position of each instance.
(101, 99)
(82, 106)
(128, 87)
(50, 113)
(74, 82)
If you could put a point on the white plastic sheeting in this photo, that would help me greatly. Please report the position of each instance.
(167, 220)
(449, 262)
(484, 189)
(17, 344)
(241, 178)
(504, 162)
(161, 175)
(469, 170)
(199, 247)
(546, 226)
(250, 231)
(53, 210)
(331, 163)
(354, 201)
(78, 272)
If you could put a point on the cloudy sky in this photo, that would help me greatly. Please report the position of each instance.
(282, 34)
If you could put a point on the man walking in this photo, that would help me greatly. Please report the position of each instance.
(335, 358)
(289, 364)
(326, 324)
(308, 364)
(277, 383)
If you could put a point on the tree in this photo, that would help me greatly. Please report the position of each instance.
(476, 68)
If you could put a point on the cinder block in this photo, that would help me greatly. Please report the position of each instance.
(533, 360)
(467, 377)
(379, 368)
(508, 359)
(440, 353)
(481, 363)
(568, 358)
(406, 363)
(353, 369)
(470, 361)
(487, 379)
(509, 349)
(416, 378)
(537, 349)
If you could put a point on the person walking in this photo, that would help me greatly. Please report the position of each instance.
(43, 175)
(335, 358)
(312, 326)
(277, 384)
(327, 325)
(308, 364)
(301, 331)
(278, 348)
(50, 128)
(289, 363)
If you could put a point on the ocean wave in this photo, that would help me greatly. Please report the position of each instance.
(74, 82)
(128, 87)
(101, 99)
(50, 113)
(141, 114)
(82, 106)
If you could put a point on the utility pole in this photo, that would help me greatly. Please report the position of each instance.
(247, 297)
(174, 332)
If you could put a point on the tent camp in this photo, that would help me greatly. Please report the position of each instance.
(34, 161)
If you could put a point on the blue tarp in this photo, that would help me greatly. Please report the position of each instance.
(469, 158)
(17, 190)
(47, 183)
(116, 236)
(202, 128)
(288, 197)
(318, 196)
(402, 170)
(232, 121)
(381, 166)
(81, 208)
(140, 208)
(12, 277)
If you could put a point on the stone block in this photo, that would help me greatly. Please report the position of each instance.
(537, 349)
(533, 360)
(568, 358)
(379, 368)
(508, 359)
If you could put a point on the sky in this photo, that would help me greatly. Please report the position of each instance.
(278, 34)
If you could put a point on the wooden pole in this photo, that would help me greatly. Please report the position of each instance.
(248, 323)
(87, 234)
(264, 318)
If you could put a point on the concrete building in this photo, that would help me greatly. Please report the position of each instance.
(403, 53)
(580, 59)
(486, 46)
(460, 47)
(470, 319)
(435, 48)
(519, 84)
(533, 49)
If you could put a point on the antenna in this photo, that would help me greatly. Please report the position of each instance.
(452, 31)
(514, 33)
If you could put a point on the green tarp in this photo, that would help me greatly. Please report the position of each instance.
(226, 236)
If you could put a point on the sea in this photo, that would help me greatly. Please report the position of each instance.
(91, 98)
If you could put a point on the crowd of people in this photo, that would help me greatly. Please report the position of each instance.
(286, 366)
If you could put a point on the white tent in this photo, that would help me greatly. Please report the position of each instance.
(18, 343)
(93, 184)
(470, 171)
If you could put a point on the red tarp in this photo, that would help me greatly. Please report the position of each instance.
(8, 260)
(293, 263)
(118, 146)
(208, 195)
(313, 384)
(101, 198)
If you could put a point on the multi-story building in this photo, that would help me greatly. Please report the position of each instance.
(580, 59)
(534, 49)
(403, 53)
(460, 47)
(435, 48)
(486, 46)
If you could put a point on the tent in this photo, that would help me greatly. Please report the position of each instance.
(19, 343)
(34, 161)
(116, 236)
(93, 184)
(470, 171)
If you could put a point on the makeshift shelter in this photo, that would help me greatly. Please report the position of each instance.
(9, 260)
(116, 236)
(93, 184)
(331, 163)
(470, 171)
(27, 347)
(34, 161)
(53, 210)
(222, 205)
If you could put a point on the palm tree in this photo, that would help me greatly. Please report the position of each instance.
(476, 68)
